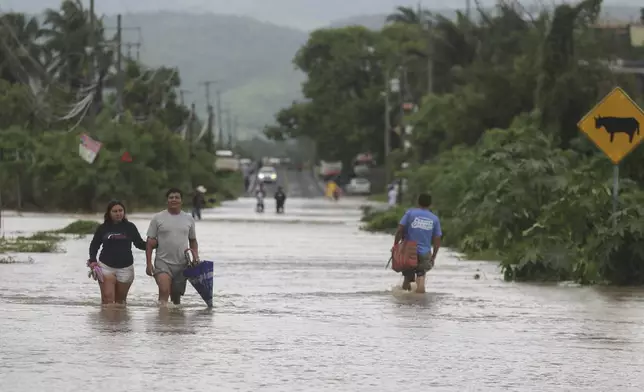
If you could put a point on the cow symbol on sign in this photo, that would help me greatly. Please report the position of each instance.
(613, 125)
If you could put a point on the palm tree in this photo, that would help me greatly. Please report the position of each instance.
(68, 32)
(20, 49)
(69, 48)
(407, 15)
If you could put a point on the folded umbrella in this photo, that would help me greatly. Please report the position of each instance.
(200, 277)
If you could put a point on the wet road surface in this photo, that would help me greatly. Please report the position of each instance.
(297, 184)
(304, 303)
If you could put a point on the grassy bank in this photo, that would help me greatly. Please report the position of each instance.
(46, 241)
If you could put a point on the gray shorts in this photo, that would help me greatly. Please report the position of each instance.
(425, 264)
(176, 273)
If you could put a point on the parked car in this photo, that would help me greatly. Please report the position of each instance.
(267, 174)
(359, 186)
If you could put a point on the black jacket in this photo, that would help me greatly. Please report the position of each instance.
(117, 240)
(280, 196)
(198, 200)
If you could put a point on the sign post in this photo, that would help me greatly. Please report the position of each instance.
(614, 126)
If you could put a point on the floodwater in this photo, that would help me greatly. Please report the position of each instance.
(304, 303)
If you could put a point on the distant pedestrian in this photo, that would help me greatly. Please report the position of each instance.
(198, 201)
(280, 199)
(392, 196)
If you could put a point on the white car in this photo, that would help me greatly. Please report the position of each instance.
(359, 186)
(267, 174)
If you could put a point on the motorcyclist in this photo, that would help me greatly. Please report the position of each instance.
(280, 199)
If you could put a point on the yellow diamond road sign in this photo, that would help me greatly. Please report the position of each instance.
(614, 125)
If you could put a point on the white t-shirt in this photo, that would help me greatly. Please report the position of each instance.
(260, 196)
(393, 195)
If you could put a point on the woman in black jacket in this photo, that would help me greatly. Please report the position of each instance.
(116, 262)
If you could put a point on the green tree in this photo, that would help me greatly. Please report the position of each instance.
(44, 73)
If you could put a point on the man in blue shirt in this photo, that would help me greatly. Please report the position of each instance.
(420, 225)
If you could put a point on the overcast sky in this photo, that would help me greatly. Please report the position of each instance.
(303, 14)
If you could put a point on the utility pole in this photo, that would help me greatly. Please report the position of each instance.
(210, 137)
(430, 65)
(210, 133)
(129, 46)
(220, 135)
(137, 44)
(181, 97)
(190, 127)
(235, 129)
(225, 112)
(387, 126)
(119, 67)
(92, 47)
(430, 48)
(402, 77)
(229, 122)
(207, 84)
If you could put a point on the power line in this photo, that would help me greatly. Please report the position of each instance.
(129, 46)
(183, 91)
(92, 48)
(220, 133)
(207, 85)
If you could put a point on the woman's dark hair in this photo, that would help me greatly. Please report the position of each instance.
(108, 217)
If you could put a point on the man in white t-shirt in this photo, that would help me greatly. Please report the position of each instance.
(170, 233)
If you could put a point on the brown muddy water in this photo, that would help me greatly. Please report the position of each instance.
(304, 303)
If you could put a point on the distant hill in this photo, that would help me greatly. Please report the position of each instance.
(251, 59)
(301, 14)
(377, 21)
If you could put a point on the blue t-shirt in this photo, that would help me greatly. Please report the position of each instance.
(421, 226)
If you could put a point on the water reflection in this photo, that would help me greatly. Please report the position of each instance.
(114, 318)
(173, 320)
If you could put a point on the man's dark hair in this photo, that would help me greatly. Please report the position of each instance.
(173, 190)
(424, 200)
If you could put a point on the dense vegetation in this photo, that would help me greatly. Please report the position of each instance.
(48, 94)
(494, 137)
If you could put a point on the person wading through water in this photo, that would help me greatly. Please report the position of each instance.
(420, 225)
(116, 261)
(171, 233)
(259, 195)
(280, 199)
(198, 202)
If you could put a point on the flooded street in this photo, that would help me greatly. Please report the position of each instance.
(304, 303)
